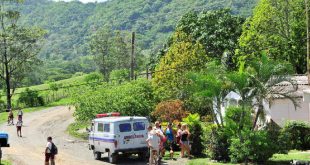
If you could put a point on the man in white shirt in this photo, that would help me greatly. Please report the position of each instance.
(48, 155)
(153, 141)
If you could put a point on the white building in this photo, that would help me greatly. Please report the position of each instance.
(282, 110)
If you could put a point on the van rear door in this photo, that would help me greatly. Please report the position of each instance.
(126, 138)
(140, 132)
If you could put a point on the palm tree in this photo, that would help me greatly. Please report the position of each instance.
(211, 85)
(269, 80)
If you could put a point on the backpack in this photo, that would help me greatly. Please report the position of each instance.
(54, 149)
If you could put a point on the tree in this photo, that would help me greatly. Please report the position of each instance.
(19, 48)
(170, 111)
(110, 51)
(212, 85)
(218, 31)
(266, 77)
(182, 56)
(281, 32)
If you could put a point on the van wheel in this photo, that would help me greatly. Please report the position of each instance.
(112, 157)
(142, 155)
(97, 155)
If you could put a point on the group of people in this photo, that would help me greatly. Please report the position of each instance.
(159, 140)
(50, 150)
(19, 122)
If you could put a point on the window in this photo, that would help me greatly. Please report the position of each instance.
(100, 127)
(138, 126)
(106, 127)
(126, 127)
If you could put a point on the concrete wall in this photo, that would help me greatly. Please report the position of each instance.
(282, 110)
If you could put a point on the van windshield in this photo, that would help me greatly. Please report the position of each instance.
(125, 127)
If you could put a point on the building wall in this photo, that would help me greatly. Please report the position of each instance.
(282, 110)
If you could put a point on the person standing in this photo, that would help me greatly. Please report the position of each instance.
(19, 127)
(49, 155)
(169, 132)
(20, 114)
(11, 118)
(162, 138)
(185, 134)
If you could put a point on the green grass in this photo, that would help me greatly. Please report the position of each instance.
(277, 159)
(292, 155)
(65, 82)
(5, 162)
(74, 130)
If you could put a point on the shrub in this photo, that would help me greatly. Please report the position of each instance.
(246, 144)
(298, 134)
(31, 98)
(218, 144)
(195, 127)
(170, 111)
(93, 77)
(134, 98)
(119, 76)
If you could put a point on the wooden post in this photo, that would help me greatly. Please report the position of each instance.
(147, 72)
(308, 41)
(132, 65)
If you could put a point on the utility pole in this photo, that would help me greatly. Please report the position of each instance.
(308, 41)
(132, 65)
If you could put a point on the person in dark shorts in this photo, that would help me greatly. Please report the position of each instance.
(48, 154)
(19, 127)
(170, 133)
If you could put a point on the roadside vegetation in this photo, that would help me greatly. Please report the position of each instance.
(209, 54)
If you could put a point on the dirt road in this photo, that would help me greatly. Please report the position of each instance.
(28, 150)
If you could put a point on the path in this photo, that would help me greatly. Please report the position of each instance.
(29, 149)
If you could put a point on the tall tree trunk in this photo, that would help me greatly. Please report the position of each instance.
(259, 110)
(218, 107)
(7, 76)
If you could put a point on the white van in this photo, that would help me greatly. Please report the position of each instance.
(115, 135)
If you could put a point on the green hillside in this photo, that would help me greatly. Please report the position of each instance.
(69, 25)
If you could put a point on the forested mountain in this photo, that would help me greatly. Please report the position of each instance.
(69, 25)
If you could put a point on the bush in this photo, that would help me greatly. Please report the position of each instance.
(218, 144)
(246, 144)
(298, 135)
(195, 127)
(93, 77)
(119, 76)
(170, 111)
(254, 146)
(134, 98)
(31, 98)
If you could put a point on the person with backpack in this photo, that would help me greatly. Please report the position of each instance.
(50, 151)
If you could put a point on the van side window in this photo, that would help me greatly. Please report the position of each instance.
(106, 127)
(138, 126)
(126, 127)
(100, 127)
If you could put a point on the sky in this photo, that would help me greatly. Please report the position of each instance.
(84, 1)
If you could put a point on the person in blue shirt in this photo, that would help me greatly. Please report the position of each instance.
(170, 134)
